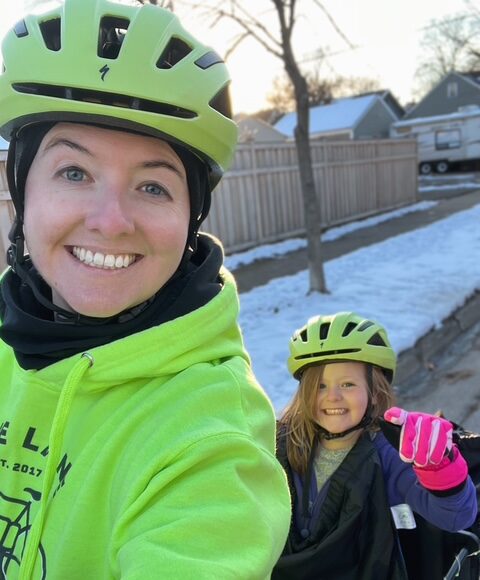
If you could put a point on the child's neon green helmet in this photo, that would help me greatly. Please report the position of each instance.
(344, 336)
(132, 67)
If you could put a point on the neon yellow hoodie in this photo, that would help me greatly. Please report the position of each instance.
(149, 457)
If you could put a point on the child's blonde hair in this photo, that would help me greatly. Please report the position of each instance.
(298, 420)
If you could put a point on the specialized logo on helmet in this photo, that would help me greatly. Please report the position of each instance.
(104, 70)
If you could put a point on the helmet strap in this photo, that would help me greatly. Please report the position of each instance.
(366, 420)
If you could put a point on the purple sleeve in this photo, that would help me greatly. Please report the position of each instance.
(451, 513)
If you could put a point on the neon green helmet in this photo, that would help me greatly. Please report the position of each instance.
(132, 67)
(344, 336)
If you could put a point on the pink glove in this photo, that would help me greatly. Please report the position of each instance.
(426, 441)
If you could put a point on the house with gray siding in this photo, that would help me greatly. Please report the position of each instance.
(454, 92)
(367, 116)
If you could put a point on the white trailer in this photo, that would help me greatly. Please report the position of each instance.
(443, 140)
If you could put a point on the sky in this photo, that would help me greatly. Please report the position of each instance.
(385, 37)
(418, 279)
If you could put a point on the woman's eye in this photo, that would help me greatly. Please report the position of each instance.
(155, 189)
(73, 174)
(347, 385)
(321, 386)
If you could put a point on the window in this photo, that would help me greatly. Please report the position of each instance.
(452, 90)
(447, 139)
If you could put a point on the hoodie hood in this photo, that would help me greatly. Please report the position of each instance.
(208, 334)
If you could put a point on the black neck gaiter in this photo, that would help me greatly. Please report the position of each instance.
(39, 340)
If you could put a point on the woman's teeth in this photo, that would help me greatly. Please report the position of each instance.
(99, 260)
(334, 411)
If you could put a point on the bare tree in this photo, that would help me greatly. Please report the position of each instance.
(449, 44)
(165, 4)
(351, 86)
(281, 46)
(321, 90)
(282, 95)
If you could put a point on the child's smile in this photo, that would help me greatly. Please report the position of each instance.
(342, 398)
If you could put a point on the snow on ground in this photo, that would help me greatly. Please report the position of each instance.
(271, 250)
(409, 283)
(448, 182)
(447, 187)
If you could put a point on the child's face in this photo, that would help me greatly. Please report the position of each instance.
(342, 400)
(106, 217)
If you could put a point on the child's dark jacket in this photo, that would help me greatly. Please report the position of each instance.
(350, 529)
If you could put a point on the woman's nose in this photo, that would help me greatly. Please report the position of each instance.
(110, 215)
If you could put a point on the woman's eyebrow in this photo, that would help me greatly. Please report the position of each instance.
(161, 163)
(72, 144)
(58, 141)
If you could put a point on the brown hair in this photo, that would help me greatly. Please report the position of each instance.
(298, 419)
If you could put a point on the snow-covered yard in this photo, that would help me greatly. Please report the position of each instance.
(409, 283)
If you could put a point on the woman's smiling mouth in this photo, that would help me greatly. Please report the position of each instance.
(104, 261)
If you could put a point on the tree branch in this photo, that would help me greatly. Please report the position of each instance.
(251, 28)
(333, 22)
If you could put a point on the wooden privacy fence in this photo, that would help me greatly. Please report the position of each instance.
(259, 200)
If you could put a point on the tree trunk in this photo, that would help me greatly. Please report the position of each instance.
(311, 204)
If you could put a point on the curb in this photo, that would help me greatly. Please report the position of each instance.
(421, 358)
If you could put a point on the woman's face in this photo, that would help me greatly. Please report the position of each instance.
(106, 217)
(342, 401)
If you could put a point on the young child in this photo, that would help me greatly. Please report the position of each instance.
(350, 487)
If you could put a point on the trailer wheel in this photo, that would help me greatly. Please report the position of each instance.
(426, 168)
(441, 167)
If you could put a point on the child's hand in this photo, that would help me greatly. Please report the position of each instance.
(426, 441)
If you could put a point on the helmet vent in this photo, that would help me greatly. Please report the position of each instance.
(104, 98)
(348, 329)
(208, 60)
(303, 335)
(365, 325)
(221, 102)
(20, 29)
(326, 353)
(50, 30)
(324, 328)
(111, 34)
(175, 51)
(376, 340)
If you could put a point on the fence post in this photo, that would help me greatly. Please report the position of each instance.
(256, 190)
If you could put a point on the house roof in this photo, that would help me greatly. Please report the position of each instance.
(473, 76)
(341, 114)
(257, 130)
(462, 113)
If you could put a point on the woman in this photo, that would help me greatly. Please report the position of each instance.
(136, 442)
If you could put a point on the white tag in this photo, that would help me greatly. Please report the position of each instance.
(403, 517)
